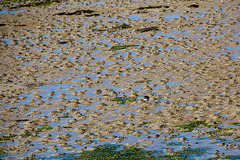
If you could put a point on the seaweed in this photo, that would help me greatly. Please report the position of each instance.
(113, 48)
(152, 7)
(190, 126)
(194, 6)
(220, 132)
(120, 152)
(155, 28)
(123, 100)
(142, 81)
(7, 138)
(111, 152)
(88, 12)
(27, 134)
(184, 154)
(30, 4)
(122, 26)
(43, 128)
(64, 116)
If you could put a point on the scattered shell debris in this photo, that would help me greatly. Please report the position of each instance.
(153, 74)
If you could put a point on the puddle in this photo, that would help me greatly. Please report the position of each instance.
(10, 11)
(6, 40)
(172, 17)
(136, 17)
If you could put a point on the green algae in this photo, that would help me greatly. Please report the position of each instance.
(27, 134)
(143, 81)
(190, 126)
(11, 136)
(6, 150)
(119, 152)
(37, 3)
(152, 7)
(174, 143)
(122, 26)
(147, 29)
(43, 128)
(226, 157)
(236, 124)
(144, 123)
(220, 132)
(183, 154)
(120, 47)
(8, 137)
(12, 1)
(86, 12)
(65, 116)
(123, 100)
(2, 151)
(114, 152)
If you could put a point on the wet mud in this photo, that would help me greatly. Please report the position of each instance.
(155, 75)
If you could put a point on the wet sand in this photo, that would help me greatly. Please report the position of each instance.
(58, 70)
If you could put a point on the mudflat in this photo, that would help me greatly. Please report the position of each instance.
(76, 74)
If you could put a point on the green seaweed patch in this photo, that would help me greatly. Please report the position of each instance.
(184, 154)
(143, 81)
(37, 3)
(114, 48)
(144, 123)
(11, 136)
(12, 1)
(220, 140)
(120, 152)
(87, 12)
(147, 29)
(65, 116)
(8, 138)
(43, 128)
(123, 100)
(112, 152)
(221, 132)
(122, 26)
(28, 134)
(236, 124)
(42, 3)
(153, 7)
(225, 157)
(174, 143)
(190, 126)
(2, 151)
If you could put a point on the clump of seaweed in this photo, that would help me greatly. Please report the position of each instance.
(43, 128)
(113, 48)
(122, 26)
(111, 152)
(64, 116)
(27, 134)
(37, 3)
(123, 100)
(190, 126)
(86, 12)
(221, 132)
(152, 7)
(143, 81)
(147, 29)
